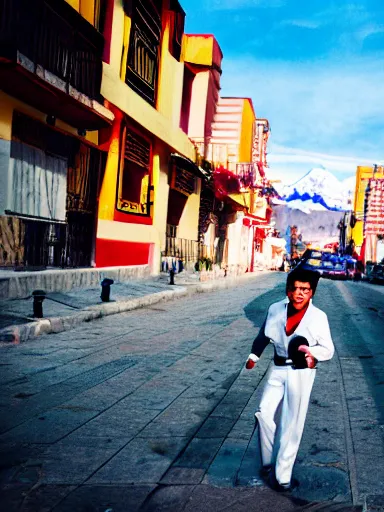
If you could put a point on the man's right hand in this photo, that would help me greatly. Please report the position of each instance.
(251, 361)
(311, 361)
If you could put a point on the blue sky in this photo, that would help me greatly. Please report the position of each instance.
(314, 68)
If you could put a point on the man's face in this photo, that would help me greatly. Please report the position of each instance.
(300, 294)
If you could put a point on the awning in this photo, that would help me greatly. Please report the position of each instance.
(225, 184)
(185, 163)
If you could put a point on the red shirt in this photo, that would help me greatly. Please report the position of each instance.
(294, 318)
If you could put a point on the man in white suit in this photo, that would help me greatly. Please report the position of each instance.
(301, 337)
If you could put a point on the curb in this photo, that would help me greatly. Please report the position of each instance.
(16, 334)
(374, 503)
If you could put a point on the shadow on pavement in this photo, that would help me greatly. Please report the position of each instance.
(256, 310)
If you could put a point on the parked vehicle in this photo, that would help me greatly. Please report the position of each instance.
(377, 274)
(330, 266)
(326, 269)
(338, 271)
(311, 260)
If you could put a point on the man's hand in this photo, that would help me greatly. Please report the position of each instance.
(251, 361)
(311, 361)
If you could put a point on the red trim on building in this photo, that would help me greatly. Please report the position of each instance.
(107, 32)
(253, 220)
(130, 218)
(116, 253)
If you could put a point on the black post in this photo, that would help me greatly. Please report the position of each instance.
(171, 276)
(106, 289)
(38, 298)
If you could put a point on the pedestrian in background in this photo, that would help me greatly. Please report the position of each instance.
(301, 337)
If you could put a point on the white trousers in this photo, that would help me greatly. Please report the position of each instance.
(280, 443)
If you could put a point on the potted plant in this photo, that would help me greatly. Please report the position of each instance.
(208, 264)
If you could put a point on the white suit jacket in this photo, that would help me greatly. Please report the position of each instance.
(313, 326)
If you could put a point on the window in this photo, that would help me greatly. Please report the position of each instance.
(314, 263)
(38, 169)
(134, 177)
(177, 20)
(39, 182)
(144, 47)
(99, 14)
(186, 99)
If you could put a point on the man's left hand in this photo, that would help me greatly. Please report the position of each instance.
(311, 361)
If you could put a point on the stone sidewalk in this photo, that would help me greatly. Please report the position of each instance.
(64, 310)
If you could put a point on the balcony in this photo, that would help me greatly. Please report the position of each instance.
(180, 248)
(219, 155)
(51, 58)
(247, 174)
(223, 155)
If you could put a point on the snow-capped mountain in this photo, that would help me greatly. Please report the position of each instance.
(319, 190)
(306, 206)
(349, 185)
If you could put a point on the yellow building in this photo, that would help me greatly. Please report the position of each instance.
(51, 111)
(363, 175)
(96, 104)
(203, 58)
(150, 191)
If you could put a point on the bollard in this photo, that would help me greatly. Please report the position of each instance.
(106, 289)
(38, 298)
(171, 277)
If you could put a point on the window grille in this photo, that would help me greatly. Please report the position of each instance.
(144, 48)
(134, 176)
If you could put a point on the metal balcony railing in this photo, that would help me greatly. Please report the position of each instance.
(50, 33)
(28, 244)
(192, 251)
(220, 155)
(187, 250)
(247, 174)
(224, 155)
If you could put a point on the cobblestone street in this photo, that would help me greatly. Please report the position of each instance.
(152, 409)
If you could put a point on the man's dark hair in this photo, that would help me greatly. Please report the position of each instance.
(304, 276)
